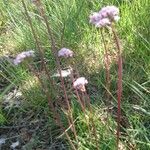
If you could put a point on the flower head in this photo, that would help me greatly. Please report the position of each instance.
(20, 57)
(95, 18)
(64, 73)
(103, 22)
(80, 84)
(105, 16)
(64, 52)
(109, 12)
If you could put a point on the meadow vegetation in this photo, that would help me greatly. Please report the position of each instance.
(31, 118)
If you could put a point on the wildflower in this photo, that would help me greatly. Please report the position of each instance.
(20, 57)
(105, 16)
(95, 18)
(80, 84)
(64, 52)
(64, 73)
(103, 22)
(109, 12)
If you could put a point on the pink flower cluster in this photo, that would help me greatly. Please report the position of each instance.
(80, 83)
(65, 52)
(105, 16)
(20, 57)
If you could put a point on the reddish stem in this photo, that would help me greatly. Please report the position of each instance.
(41, 51)
(77, 93)
(119, 84)
(90, 109)
(91, 119)
(45, 89)
(56, 114)
(107, 63)
(46, 71)
(53, 46)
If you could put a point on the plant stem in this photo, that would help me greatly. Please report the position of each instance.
(55, 113)
(76, 91)
(82, 94)
(41, 51)
(119, 84)
(45, 89)
(54, 51)
(91, 119)
(107, 63)
(44, 65)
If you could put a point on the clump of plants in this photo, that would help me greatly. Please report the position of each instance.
(105, 21)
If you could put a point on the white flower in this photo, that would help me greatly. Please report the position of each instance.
(80, 84)
(64, 52)
(64, 73)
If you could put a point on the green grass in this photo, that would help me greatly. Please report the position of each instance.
(69, 21)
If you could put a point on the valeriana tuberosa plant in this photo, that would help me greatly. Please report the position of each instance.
(107, 17)
(103, 19)
(41, 52)
(38, 45)
(67, 53)
(41, 10)
(54, 51)
(79, 84)
(43, 64)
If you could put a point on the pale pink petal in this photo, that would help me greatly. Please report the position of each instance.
(95, 18)
(103, 22)
(64, 52)
(20, 57)
(109, 12)
(80, 84)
